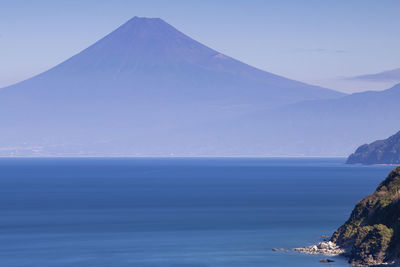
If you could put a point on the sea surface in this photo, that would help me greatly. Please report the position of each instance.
(172, 212)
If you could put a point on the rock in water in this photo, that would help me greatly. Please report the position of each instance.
(326, 248)
(372, 233)
(326, 260)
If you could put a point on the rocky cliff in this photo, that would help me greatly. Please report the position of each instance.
(379, 152)
(371, 236)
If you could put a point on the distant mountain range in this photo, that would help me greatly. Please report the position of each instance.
(379, 152)
(147, 89)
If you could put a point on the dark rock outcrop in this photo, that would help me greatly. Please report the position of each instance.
(379, 152)
(371, 236)
(326, 260)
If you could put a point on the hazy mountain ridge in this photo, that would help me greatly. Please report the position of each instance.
(324, 127)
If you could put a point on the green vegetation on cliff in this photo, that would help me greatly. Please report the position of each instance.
(371, 235)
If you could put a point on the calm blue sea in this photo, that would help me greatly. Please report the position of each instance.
(174, 212)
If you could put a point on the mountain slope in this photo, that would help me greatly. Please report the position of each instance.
(144, 89)
(379, 152)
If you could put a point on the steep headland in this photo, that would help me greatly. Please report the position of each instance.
(371, 236)
(379, 152)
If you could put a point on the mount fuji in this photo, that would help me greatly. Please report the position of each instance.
(145, 89)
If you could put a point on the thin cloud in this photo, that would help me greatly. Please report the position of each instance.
(384, 76)
(322, 50)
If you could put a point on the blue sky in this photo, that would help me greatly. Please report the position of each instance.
(316, 41)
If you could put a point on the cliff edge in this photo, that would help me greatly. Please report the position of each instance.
(371, 236)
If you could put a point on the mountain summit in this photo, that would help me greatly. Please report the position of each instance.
(149, 55)
(144, 89)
